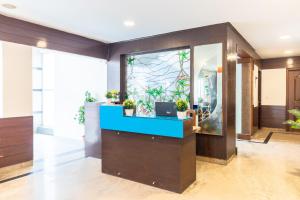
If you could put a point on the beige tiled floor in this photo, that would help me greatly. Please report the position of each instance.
(260, 172)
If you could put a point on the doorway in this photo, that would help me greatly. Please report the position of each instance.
(60, 81)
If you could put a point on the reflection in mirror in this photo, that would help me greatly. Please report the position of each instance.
(208, 87)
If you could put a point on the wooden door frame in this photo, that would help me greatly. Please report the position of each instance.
(287, 93)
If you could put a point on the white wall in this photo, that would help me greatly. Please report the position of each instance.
(74, 75)
(16, 80)
(273, 87)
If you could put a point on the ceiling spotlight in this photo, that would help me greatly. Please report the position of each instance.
(129, 23)
(288, 52)
(285, 37)
(9, 6)
(41, 44)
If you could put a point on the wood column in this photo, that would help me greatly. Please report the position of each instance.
(247, 98)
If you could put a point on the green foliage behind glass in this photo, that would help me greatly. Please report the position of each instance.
(176, 70)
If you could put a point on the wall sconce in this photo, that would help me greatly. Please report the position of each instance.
(290, 61)
(232, 57)
(41, 44)
(220, 69)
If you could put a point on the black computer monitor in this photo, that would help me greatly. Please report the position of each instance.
(165, 109)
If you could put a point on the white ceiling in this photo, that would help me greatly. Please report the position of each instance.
(261, 22)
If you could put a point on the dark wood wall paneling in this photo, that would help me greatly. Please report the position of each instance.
(22, 32)
(207, 145)
(236, 44)
(287, 62)
(272, 116)
(16, 140)
(221, 147)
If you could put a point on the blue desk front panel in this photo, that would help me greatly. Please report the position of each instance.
(112, 118)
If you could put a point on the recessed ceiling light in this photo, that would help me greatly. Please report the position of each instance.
(288, 52)
(9, 6)
(129, 23)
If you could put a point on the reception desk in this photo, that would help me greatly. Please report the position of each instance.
(157, 151)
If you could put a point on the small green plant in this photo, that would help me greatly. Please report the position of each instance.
(294, 124)
(115, 95)
(129, 104)
(181, 105)
(79, 117)
(108, 95)
(88, 97)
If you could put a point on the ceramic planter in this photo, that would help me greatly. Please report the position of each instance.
(109, 101)
(129, 112)
(181, 115)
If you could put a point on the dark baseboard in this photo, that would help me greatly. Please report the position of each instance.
(244, 136)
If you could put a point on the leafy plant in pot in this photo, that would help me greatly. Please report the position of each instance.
(108, 97)
(115, 95)
(129, 106)
(81, 111)
(181, 106)
(294, 124)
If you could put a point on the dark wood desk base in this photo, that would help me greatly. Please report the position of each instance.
(163, 162)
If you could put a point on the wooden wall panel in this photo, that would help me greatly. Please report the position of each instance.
(22, 32)
(274, 63)
(207, 145)
(16, 140)
(273, 116)
(236, 45)
(256, 114)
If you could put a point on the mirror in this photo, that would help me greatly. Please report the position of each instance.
(208, 87)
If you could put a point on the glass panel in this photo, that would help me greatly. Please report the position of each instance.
(208, 87)
(37, 119)
(48, 78)
(162, 76)
(37, 101)
(37, 58)
(37, 79)
(48, 105)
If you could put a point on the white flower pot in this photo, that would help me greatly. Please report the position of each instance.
(181, 115)
(129, 112)
(109, 101)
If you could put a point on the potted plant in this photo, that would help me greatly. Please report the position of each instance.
(109, 97)
(81, 111)
(181, 106)
(129, 106)
(294, 124)
(115, 95)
